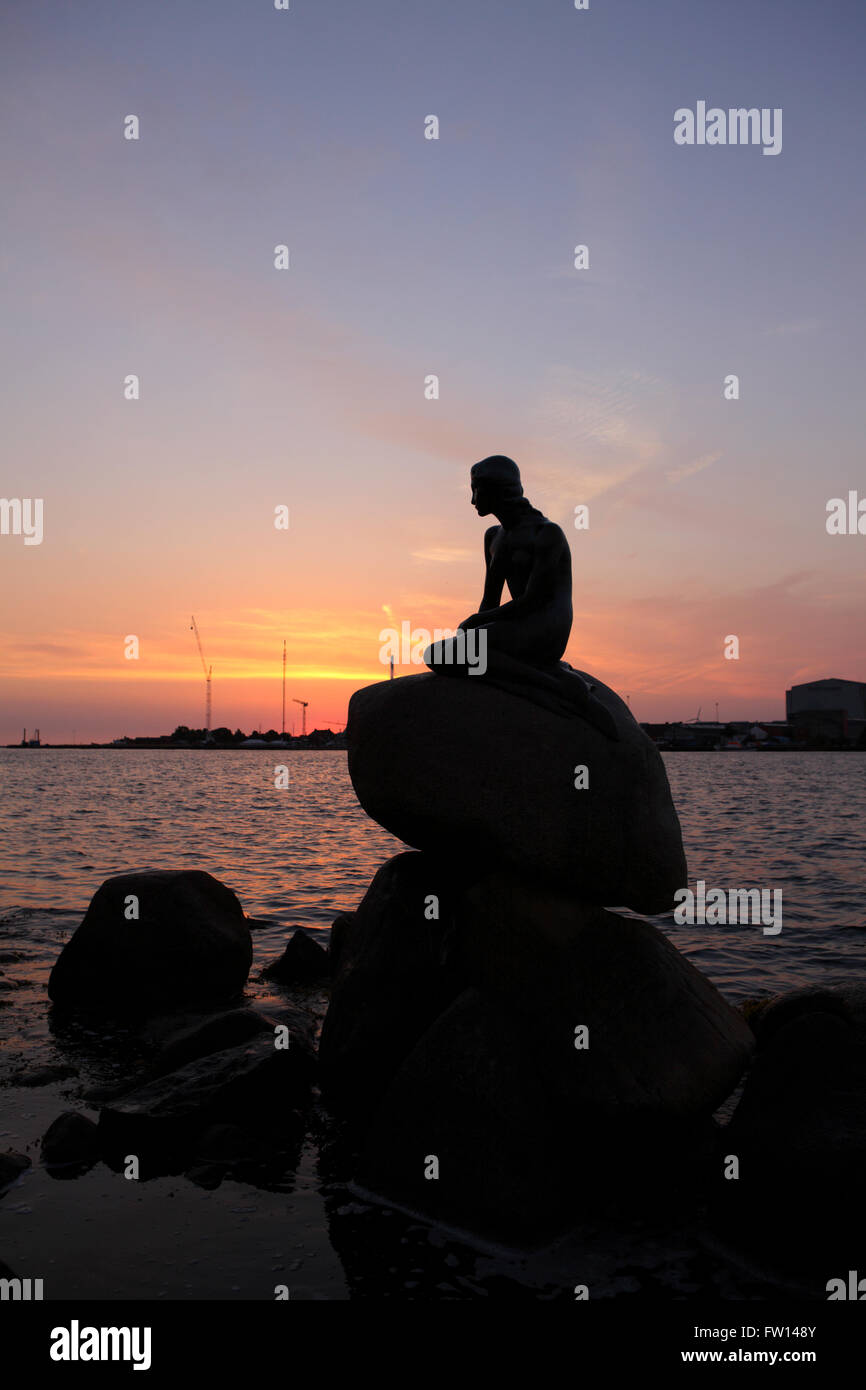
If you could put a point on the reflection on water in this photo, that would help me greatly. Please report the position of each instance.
(71, 818)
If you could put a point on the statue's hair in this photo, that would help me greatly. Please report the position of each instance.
(501, 471)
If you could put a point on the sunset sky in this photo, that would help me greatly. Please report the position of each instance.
(409, 257)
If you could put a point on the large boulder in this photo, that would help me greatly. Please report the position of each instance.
(660, 1040)
(799, 1133)
(537, 1053)
(466, 1132)
(460, 768)
(846, 999)
(336, 938)
(393, 979)
(188, 944)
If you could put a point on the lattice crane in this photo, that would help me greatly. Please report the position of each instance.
(207, 675)
(304, 703)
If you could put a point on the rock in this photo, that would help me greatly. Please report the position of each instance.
(256, 1084)
(799, 1134)
(300, 1021)
(847, 1001)
(43, 1076)
(393, 980)
(190, 945)
(207, 1175)
(229, 1145)
(530, 1130)
(12, 1165)
(228, 1149)
(471, 1097)
(662, 1041)
(71, 1141)
(467, 771)
(302, 962)
(203, 1037)
(340, 928)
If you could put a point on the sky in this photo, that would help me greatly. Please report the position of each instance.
(409, 257)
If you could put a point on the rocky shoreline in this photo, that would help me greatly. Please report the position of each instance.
(501, 1056)
(679, 1241)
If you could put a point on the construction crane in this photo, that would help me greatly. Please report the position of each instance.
(304, 716)
(207, 674)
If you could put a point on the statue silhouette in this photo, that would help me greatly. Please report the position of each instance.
(522, 640)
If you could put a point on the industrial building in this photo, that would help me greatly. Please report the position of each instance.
(828, 712)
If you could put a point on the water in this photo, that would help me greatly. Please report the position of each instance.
(296, 857)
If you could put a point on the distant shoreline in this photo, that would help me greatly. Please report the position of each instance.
(181, 748)
(340, 747)
(313, 742)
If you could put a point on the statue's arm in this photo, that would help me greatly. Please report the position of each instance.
(492, 585)
(493, 581)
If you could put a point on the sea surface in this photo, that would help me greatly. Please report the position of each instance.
(70, 818)
(794, 822)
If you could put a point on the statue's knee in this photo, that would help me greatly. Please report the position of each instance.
(446, 657)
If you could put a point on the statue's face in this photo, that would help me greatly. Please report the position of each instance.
(484, 494)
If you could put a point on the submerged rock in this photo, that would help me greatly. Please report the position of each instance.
(152, 941)
(462, 769)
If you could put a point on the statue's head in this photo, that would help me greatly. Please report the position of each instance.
(495, 480)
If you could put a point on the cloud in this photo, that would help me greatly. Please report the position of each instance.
(667, 647)
(688, 470)
(444, 554)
